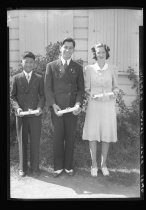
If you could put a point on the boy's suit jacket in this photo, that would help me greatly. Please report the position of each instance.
(26, 95)
(64, 88)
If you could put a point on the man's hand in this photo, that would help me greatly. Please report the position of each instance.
(56, 109)
(40, 111)
(78, 109)
(18, 112)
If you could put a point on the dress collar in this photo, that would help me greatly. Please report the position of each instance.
(63, 61)
(105, 67)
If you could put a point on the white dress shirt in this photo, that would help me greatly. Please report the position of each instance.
(28, 75)
(64, 61)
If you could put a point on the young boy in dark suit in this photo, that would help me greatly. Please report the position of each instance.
(27, 93)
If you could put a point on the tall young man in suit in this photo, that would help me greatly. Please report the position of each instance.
(64, 87)
(28, 93)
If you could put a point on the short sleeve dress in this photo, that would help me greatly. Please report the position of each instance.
(100, 121)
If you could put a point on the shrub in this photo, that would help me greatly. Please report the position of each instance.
(128, 119)
(136, 103)
(53, 51)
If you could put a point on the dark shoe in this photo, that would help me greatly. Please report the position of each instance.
(70, 172)
(57, 173)
(36, 173)
(22, 173)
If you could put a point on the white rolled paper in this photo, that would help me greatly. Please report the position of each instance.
(63, 111)
(101, 95)
(29, 112)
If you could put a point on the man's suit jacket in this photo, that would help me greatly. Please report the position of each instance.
(64, 88)
(26, 95)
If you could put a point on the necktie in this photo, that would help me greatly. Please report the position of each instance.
(65, 65)
(28, 77)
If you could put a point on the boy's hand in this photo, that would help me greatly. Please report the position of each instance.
(18, 112)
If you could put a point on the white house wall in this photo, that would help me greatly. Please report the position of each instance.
(119, 29)
(32, 32)
(60, 25)
(13, 23)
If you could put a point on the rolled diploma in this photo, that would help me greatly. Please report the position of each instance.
(63, 111)
(29, 112)
(101, 95)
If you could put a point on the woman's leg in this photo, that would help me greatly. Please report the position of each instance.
(104, 153)
(93, 151)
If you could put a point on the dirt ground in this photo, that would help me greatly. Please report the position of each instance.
(120, 184)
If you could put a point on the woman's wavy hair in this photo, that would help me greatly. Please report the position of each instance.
(107, 49)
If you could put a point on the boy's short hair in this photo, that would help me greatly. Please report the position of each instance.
(28, 54)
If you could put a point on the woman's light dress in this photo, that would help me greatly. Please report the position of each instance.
(100, 121)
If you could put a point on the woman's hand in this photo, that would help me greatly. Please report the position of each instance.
(19, 110)
(116, 92)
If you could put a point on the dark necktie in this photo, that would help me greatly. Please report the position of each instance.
(65, 65)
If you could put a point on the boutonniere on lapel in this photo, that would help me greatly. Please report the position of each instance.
(72, 71)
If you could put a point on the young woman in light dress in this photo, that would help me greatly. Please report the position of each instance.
(100, 121)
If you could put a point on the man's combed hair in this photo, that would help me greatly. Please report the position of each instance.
(107, 49)
(69, 39)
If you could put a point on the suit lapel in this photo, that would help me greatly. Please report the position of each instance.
(59, 63)
(59, 68)
(71, 67)
(24, 80)
(68, 73)
(71, 71)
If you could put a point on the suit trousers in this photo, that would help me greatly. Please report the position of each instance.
(28, 127)
(63, 141)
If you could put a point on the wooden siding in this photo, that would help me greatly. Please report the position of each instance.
(31, 31)
(119, 29)
(14, 53)
(60, 25)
